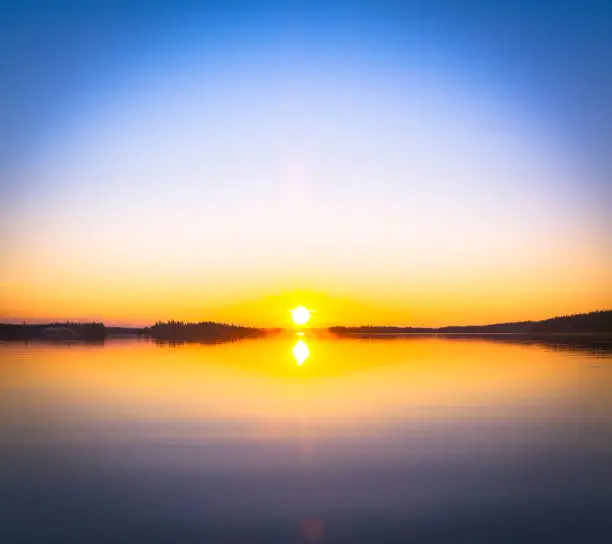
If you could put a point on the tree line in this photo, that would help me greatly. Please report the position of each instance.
(200, 332)
(593, 322)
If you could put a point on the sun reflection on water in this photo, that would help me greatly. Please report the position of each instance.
(300, 352)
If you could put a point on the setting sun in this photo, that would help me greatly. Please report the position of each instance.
(300, 315)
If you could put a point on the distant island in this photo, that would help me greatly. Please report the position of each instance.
(205, 331)
(599, 322)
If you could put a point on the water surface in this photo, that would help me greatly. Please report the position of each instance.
(353, 440)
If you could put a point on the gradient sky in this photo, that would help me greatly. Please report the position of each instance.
(426, 164)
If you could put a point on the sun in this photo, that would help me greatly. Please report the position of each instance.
(300, 315)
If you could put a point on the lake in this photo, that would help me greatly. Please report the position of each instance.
(417, 439)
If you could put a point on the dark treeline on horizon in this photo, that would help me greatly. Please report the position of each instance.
(66, 331)
(204, 331)
(593, 322)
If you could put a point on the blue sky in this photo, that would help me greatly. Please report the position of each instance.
(557, 53)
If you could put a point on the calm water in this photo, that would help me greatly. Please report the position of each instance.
(365, 441)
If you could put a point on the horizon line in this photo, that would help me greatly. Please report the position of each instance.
(17, 321)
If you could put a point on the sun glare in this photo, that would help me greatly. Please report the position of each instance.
(300, 315)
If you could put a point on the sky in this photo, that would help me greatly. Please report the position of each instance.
(407, 163)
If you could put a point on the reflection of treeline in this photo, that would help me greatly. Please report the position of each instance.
(205, 331)
(67, 331)
(591, 343)
(593, 322)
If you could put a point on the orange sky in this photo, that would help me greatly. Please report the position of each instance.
(425, 305)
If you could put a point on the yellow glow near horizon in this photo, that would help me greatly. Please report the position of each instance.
(389, 302)
(300, 315)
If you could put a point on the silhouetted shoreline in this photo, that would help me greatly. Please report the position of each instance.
(591, 333)
(205, 331)
(586, 328)
(589, 323)
(61, 332)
